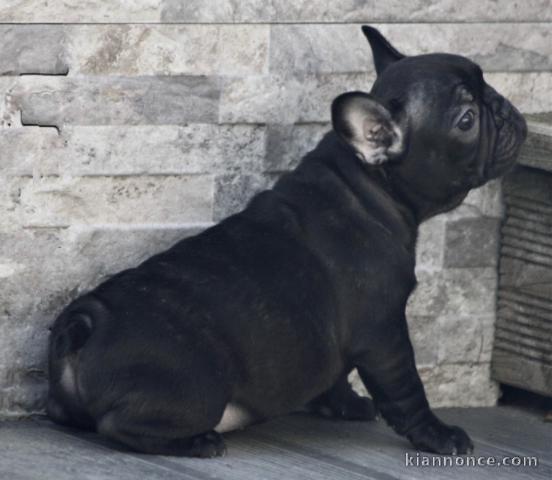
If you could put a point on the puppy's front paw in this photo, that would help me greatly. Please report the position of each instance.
(437, 437)
(207, 445)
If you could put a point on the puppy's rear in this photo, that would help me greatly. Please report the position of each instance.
(69, 334)
(137, 402)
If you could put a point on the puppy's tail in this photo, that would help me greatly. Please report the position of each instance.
(75, 325)
(71, 335)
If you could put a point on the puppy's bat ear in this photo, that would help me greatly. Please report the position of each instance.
(367, 126)
(383, 52)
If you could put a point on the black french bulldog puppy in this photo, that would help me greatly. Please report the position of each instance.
(269, 310)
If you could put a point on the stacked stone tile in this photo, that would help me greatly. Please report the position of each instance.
(125, 126)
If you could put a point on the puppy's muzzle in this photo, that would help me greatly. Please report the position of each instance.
(510, 131)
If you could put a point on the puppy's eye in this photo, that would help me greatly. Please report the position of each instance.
(467, 121)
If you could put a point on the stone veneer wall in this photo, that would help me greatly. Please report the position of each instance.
(128, 125)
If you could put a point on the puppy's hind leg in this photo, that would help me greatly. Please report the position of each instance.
(167, 411)
(158, 437)
(342, 402)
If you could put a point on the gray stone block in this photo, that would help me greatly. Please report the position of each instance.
(10, 203)
(116, 200)
(343, 48)
(135, 50)
(318, 49)
(77, 259)
(78, 11)
(472, 242)
(425, 337)
(27, 149)
(168, 49)
(36, 49)
(487, 200)
(456, 291)
(216, 11)
(104, 251)
(260, 99)
(26, 394)
(9, 110)
(281, 11)
(193, 148)
(287, 144)
(430, 246)
(132, 150)
(39, 273)
(114, 101)
(233, 192)
(469, 385)
(465, 339)
(286, 100)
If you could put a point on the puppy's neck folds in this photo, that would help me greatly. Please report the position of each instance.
(421, 206)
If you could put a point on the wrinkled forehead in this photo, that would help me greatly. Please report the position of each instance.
(433, 76)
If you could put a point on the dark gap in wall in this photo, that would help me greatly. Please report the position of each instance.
(45, 227)
(62, 73)
(526, 400)
(29, 124)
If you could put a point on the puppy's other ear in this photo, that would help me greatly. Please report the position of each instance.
(367, 126)
(383, 52)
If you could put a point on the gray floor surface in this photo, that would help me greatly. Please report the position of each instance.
(293, 447)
